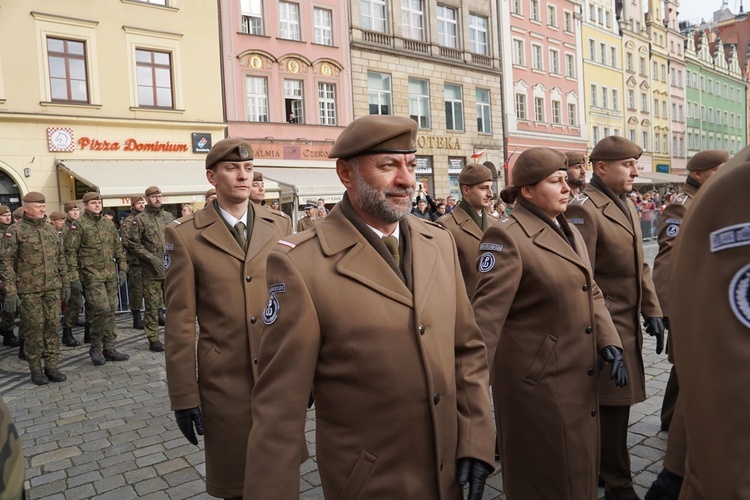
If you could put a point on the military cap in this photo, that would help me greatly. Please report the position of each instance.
(709, 158)
(615, 147)
(18, 213)
(70, 205)
(536, 164)
(257, 176)
(376, 134)
(210, 192)
(4, 209)
(91, 195)
(57, 216)
(34, 197)
(135, 199)
(310, 205)
(152, 190)
(575, 158)
(231, 149)
(474, 173)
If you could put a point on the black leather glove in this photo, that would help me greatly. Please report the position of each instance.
(613, 355)
(655, 328)
(474, 472)
(186, 419)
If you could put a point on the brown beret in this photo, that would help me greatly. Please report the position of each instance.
(257, 176)
(536, 164)
(34, 197)
(709, 158)
(575, 158)
(4, 209)
(376, 134)
(18, 213)
(615, 147)
(152, 190)
(57, 216)
(70, 205)
(474, 173)
(91, 195)
(210, 192)
(135, 199)
(232, 149)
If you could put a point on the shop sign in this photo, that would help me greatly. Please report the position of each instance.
(201, 142)
(131, 145)
(291, 151)
(432, 142)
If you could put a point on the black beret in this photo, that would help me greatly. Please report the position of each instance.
(34, 197)
(474, 173)
(376, 134)
(709, 158)
(231, 149)
(575, 158)
(90, 196)
(152, 190)
(536, 164)
(615, 147)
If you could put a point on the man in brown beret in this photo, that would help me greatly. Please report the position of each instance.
(75, 302)
(610, 226)
(210, 196)
(216, 272)
(576, 172)
(700, 167)
(57, 219)
(18, 214)
(94, 253)
(469, 220)
(382, 346)
(6, 319)
(135, 273)
(32, 266)
(146, 240)
(257, 188)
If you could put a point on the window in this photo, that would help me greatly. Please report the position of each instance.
(594, 134)
(631, 134)
(631, 99)
(289, 20)
(322, 23)
(717, 89)
(326, 104)
(674, 144)
(608, 19)
(539, 109)
(629, 61)
(605, 98)
(412, 17)
(454, 107)
(592, 13)
(615, 100)
(655, 71)
(536, 57)
(594, 95)
(568, 22)
(516, 7)
(656, 108)
(484, 115)
(154, 70)
(379, 91)
(518, 53)
(252, 16)
(664, 73)
(67, 71)
(257, 99)
(534, 10)
(293, 103)
(478, 35)
(447, 27)
(644, 103)
(373, 15)
(601, 15)
(419, 102)
(551, 16)
(521, 106)
(592, 49)
(556, 110)
(664, 143)
(570, 66)
(664, 109)
(613, 57)
(572, 115)
(644, 141)
(554, 62)
(656, 142)
(603, 53)
(643, 66)
(674, 111)
(681, 113)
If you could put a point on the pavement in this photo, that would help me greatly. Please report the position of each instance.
(108, 431)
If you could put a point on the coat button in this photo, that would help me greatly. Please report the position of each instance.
(593, 413)
(255, 361)
(253, 320)
(421, 329)
(590, 372)
(441, 466)
(589, 329)
(585, 288)
(436, 398)
(248, 278)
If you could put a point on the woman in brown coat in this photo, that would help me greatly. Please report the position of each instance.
(544, 321)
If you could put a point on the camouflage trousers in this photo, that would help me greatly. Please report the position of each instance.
(73, 310)
(11, 457)
(153, 293)
(7, 320)
(101, 305)
(135, 287)
(40, 318)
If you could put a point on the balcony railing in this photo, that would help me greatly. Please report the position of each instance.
(416, 46)
(481, 60)
(450, 53)
(377, 38)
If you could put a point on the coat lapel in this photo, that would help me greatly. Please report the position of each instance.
(425, 254)
(215, 232)
(610, 209)
(466, 223)
(264, 234)
(544, 236)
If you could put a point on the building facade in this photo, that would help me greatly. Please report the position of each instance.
(676, 64)
(659, 83)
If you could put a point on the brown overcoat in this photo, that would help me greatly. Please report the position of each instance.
(467, 235)
(210, 277)
(544, 322)
(616, 253)
(710, 310)
(399, 377)
(305, 223)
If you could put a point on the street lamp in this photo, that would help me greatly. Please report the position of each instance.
(742, 15)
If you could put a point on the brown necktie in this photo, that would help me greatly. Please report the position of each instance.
(391, 242)
(240, 228)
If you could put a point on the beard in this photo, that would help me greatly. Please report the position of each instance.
(376, 203)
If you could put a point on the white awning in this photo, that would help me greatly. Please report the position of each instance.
(305, 183)
(650, 178)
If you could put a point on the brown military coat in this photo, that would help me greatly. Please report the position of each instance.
(400, 379)
(210, 277)
(467, 235)
(544, 321)
(710, 310)
(305, 223)
(616, 252)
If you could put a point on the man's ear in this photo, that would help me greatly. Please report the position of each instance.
(345, 173)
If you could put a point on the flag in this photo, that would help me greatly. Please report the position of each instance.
(478, 154)
(505, 165)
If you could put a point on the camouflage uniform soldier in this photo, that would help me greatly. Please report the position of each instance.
(33, 269)
(135, 275)
(75, 303)
(6, 319)
(147, 242)
(12, 463)
(91, 248)
(17, 217)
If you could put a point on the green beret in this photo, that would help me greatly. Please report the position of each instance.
(575, 158)
(70, 205)
(34, 197)
(615, 147)
(57, 216)
(536, 164)
(474, 173)
(257, 176)
(152, 190)
(4, 209)
(135, 199)
(376, 134)
(232, 149)
(91, 195)
(709, 158)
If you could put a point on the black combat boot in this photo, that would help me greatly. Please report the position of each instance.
(137, 321)
(87, 333)
(162, 317)
(113, 355)
(10, 339)
(155, 345)
(68, 339)
(96, 356)
(54, 375)
(21, 352)
(666, 487)
(38, 377)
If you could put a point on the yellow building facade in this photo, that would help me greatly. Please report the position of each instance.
(659, 86)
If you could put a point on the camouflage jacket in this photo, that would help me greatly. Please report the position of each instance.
(92, 246)
(127, 232)
(12, 470)
(32, 258)
(146, 239)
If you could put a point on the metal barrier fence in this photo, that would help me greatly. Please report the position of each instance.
(650, 224)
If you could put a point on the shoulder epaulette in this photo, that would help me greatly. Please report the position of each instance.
(681, 198)
(579, 199)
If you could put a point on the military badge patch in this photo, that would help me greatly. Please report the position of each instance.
(739, 295)
(577, 221)
(486, 262)
(730, 237)
(271, 312)
(167, 261)
(673, 230)
(168, 247)
(491, 247)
